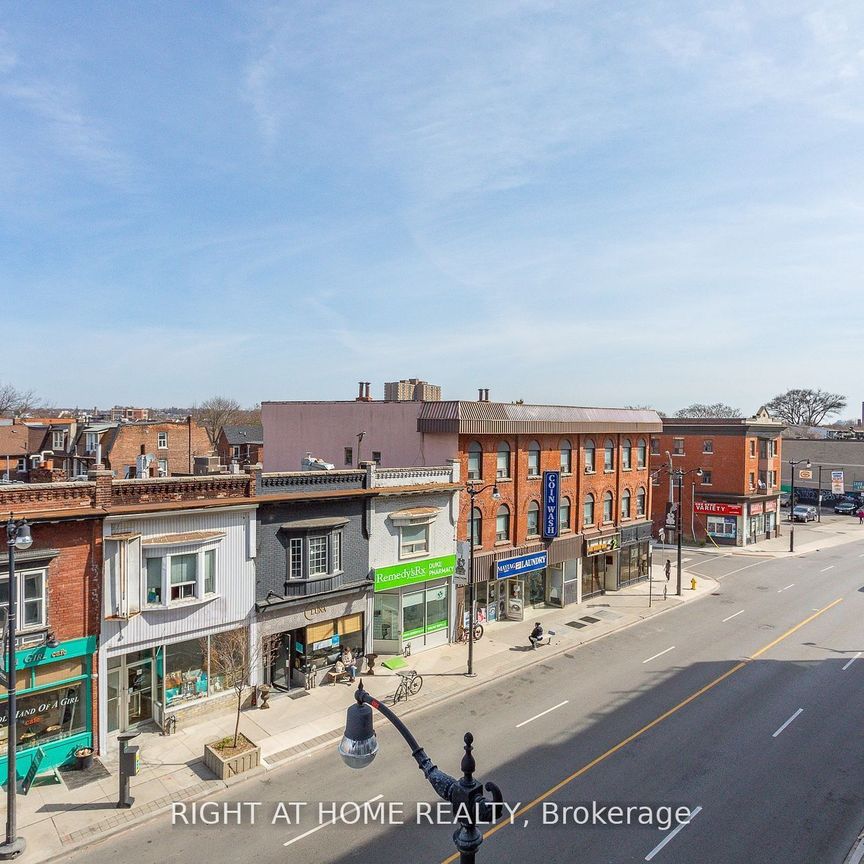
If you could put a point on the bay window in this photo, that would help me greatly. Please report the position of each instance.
(178, 576)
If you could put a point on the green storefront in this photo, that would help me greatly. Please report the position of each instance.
(413, 605)
(55, 708)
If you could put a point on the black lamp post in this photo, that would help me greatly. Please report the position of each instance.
(359, 747)
(473, 491)
(792, 465)
(679, 482)
(17, 538)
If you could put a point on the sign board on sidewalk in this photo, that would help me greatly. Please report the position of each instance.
(32, 771)
(837, 482)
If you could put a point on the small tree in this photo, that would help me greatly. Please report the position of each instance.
(805, 407)
(216, 412)
(15, 402)
(231, 658)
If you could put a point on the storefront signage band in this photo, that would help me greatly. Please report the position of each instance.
(550, 503)
(756, 508)
(398, 575)
(521, 564)
(717, 508)
(310, 613)
(604, 544)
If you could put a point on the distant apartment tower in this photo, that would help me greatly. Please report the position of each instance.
(128, 414)
(412, 390)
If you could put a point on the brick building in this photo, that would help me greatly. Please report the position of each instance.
(736, 499)
(18, 443)
(412, 389)
(602, 522)
(240, 445)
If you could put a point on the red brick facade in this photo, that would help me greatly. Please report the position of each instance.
(182, 443)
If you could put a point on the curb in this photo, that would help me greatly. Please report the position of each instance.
(304, 749)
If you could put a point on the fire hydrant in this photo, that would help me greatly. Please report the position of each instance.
(693, 583)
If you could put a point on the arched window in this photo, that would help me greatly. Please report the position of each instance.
(564, 515)
(589, 456)
(640, 453)
(640, 501)
(533, 459)
(502, 523)
(533, 519)
(626, 449)
(502, 464)
(625, 504)
(566, 457)
(608, 506)
(477, 526)
(588, 511)
(609, 455)
(475, 461)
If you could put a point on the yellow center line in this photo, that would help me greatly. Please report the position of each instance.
(665, 715)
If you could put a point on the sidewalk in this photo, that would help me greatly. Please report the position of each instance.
(55, 819)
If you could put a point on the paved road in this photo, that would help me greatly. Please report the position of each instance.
(769, 749)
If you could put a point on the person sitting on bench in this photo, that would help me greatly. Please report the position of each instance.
(536, 636)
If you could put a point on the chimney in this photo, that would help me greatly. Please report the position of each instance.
(360, 391)
(368, 391)
(102, 479)
(479, 394)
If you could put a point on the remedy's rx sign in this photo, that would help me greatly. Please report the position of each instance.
(551, 494)
(414, 571)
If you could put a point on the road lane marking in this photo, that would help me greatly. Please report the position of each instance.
(731, 617)
(781, 590)
(799, 711)
(693, 813)
(325, 824)
(851, 661)
(659, 655)
(647, 727)
(524, 722)
(826, 569)
(732, 572)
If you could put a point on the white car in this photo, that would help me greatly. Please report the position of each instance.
(804, 513)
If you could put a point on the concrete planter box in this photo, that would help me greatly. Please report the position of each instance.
(225, 764)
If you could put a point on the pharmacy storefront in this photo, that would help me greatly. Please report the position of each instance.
(54, 709)
(413, 605)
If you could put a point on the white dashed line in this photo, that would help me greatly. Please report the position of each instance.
(851, 661)
(671, 834)
(519, 725)
(732, 616)
(826, 569)
(659, 655)
(323, 825)
(799, 711)
(781, 590)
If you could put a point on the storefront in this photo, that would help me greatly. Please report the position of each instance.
(600, 565)
(412, 605)
(520, 581)
(634, 557)
(724, 523)
(54, 704)
(150, 684)
(757, 522)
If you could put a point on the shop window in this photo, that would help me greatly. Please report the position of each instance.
(185, 671)
(46, 716)
(589, 456)
(566, 457)
(588, 510)
(626, 450)
(30, 600)
(184, 576)
(502, 463)
(317, 556)
(477, 527)
(640, 453)
(533, 459)
(424, 611)
(413, 540)
(640, 501)
(608, 506)
(475, 461)
(564, 515)
(655, 446)
(708, 446)
(609, 455)
(677, 446)
(706, 478)
(502, 523)
(533, 519)
(625, 504)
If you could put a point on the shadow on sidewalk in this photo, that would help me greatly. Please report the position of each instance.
(64, 808)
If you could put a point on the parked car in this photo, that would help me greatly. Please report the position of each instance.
(847, 508)
(804, 513)
(784, 499)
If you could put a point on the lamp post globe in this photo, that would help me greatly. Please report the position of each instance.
(359, 745)
(23, 538)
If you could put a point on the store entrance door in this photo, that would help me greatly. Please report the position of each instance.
(537, 588)
(130, 691)
(282, 661)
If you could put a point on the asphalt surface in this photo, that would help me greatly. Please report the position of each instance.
(714, 705)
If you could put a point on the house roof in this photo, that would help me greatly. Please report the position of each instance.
(519, 418)
(236, 435)
(15, 440)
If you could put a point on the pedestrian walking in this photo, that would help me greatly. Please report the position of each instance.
(861, 516)
(667, 569)
(661, 536)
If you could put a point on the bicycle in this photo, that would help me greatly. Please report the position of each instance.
(478, 633)
(409, 685)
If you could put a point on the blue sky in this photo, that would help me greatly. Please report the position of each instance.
(589, 203)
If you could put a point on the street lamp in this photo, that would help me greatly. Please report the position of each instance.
(792, 464)
(679, 482)
(17, 538)
(473, 492)
(359, 747)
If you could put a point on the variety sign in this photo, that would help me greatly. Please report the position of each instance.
(717, 509)
(522, 564)
(550, 503)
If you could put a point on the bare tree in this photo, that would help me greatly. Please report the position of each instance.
(15, 402)
(216, 412)
(714, 409)
(800, 407)
(249, 416)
